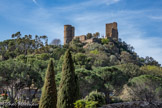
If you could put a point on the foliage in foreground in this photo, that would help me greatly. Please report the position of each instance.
(96, 96)
(105, 66)
(85, 104)
(68, 89)
(146, 88)
(49, 93)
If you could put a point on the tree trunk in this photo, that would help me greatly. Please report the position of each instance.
(107, 96)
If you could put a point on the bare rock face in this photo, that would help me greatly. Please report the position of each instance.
(136, 104)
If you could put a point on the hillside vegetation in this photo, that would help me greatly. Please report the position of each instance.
(110, 68)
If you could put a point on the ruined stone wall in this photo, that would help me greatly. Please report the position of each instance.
(82, 38)
(69, 32)
(91, 40)
(112, 30)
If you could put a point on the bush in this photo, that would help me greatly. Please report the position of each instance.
(35, 100)
(82, 61)
(94, 51)
(91, 104)
(96, 96)
(22, 58)
(43, 56)
(85, 104)
(104, 41)
(115, 100)
(80, 104)
(146, 88)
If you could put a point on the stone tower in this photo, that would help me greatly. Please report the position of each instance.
(112, 30)
(69, 32)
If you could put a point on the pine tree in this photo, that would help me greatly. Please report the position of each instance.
(68, 89)
(49, 93)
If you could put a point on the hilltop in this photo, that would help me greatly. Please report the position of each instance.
(108, 65)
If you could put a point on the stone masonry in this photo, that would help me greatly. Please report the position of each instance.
(82, 38)
(69, 33)
(112, 30)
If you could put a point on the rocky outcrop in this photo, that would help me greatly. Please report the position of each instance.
(136, 104)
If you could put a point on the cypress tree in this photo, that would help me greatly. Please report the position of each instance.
(68, 89)
(49, 93)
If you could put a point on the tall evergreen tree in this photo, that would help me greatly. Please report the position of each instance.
(49, 93)
(68, 90)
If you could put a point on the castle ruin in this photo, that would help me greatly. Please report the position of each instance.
(112, 30)
(69, 33)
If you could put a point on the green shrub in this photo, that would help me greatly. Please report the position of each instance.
(80, 103)
(91, 104)
(96, 96)
(94, 51)
(104, 41)
(146, 87)
(22, 58)
(35, 100)
(85, 104)
(44, 56)
(115, 100)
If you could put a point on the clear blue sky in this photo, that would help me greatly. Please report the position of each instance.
(139, 21)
